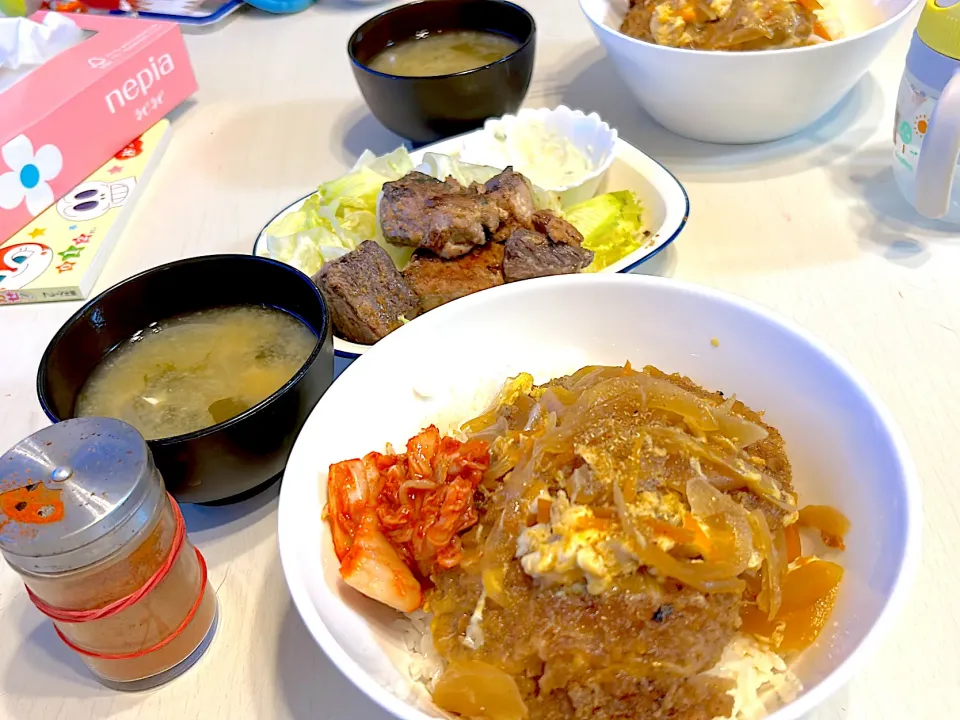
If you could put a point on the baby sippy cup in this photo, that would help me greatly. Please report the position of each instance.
(19, 8)
(926, 132)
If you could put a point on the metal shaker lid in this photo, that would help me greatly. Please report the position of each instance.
(73, 493)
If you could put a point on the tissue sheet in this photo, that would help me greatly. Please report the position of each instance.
(26, 44)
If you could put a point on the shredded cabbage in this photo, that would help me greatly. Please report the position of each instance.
(444, 166)
(339, 216)
(610, 224)
(344, 213)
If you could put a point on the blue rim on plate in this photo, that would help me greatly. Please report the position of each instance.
(683, 221)
(195, 18)
(653, 253)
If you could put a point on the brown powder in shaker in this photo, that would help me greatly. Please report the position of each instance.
(144, 624)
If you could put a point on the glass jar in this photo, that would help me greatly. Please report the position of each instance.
(102, 549)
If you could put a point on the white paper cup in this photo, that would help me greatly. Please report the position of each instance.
(588, 133)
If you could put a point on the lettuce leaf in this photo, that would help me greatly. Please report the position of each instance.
(339, 216)
(395, 164)
(443, 166)
(610, 224)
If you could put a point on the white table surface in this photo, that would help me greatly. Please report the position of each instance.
(812, 226)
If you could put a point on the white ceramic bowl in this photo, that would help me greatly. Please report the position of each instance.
(588, 133)
(747, 97)
(845, 448)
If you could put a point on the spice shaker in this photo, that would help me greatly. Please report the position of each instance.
(102, 549)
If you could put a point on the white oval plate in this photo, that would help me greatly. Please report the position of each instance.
(663, 199)
(843, 445)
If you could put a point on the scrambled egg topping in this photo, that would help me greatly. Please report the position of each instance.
(668, 27)
(670, 22)
(721, 8)
(667, 507)
(576, 547)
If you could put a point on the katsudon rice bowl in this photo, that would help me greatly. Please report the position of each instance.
(699, 514)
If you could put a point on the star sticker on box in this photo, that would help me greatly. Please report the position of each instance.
(131, 150)
(37, 232)
(115, 169)
(65, 266)
(83, 239)
(71, 253)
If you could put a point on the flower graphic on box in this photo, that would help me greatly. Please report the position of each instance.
(29, 176)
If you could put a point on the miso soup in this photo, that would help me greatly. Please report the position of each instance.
(197, 370)
(443, 53)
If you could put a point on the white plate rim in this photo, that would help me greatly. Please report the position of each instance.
(671, 190)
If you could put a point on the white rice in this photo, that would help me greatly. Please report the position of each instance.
(425, 664)
(763, 681)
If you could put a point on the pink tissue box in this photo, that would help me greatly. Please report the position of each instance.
(70, 115)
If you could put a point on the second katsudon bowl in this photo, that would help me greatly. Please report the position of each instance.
(638, 208)
(436, 68)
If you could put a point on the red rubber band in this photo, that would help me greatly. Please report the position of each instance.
(79, 616)
(170, 638)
